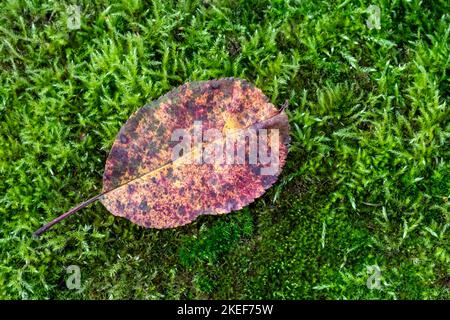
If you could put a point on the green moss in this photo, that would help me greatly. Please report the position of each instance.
(367, 180)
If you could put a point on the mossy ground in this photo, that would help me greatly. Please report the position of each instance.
(366, 183)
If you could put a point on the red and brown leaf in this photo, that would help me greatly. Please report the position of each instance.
(143, 183)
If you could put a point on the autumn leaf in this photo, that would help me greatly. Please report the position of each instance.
(207, 147)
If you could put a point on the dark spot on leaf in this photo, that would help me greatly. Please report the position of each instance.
(124, 138)
(191, 105)
(215, 84)
(268, 180)
(227, 187)
(245, 85)
(119, 154)
(231, 205)
(151, 147)
(255, 170)
(181, 210)
(169, 173)
(160, 131)
(120, 206)
(143, 205)
(131, 188)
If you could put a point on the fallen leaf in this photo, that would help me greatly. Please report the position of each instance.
(148, 183)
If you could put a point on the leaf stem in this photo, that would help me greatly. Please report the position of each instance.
(47, 226)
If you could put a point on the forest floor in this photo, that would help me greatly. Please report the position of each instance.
(361, 210)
